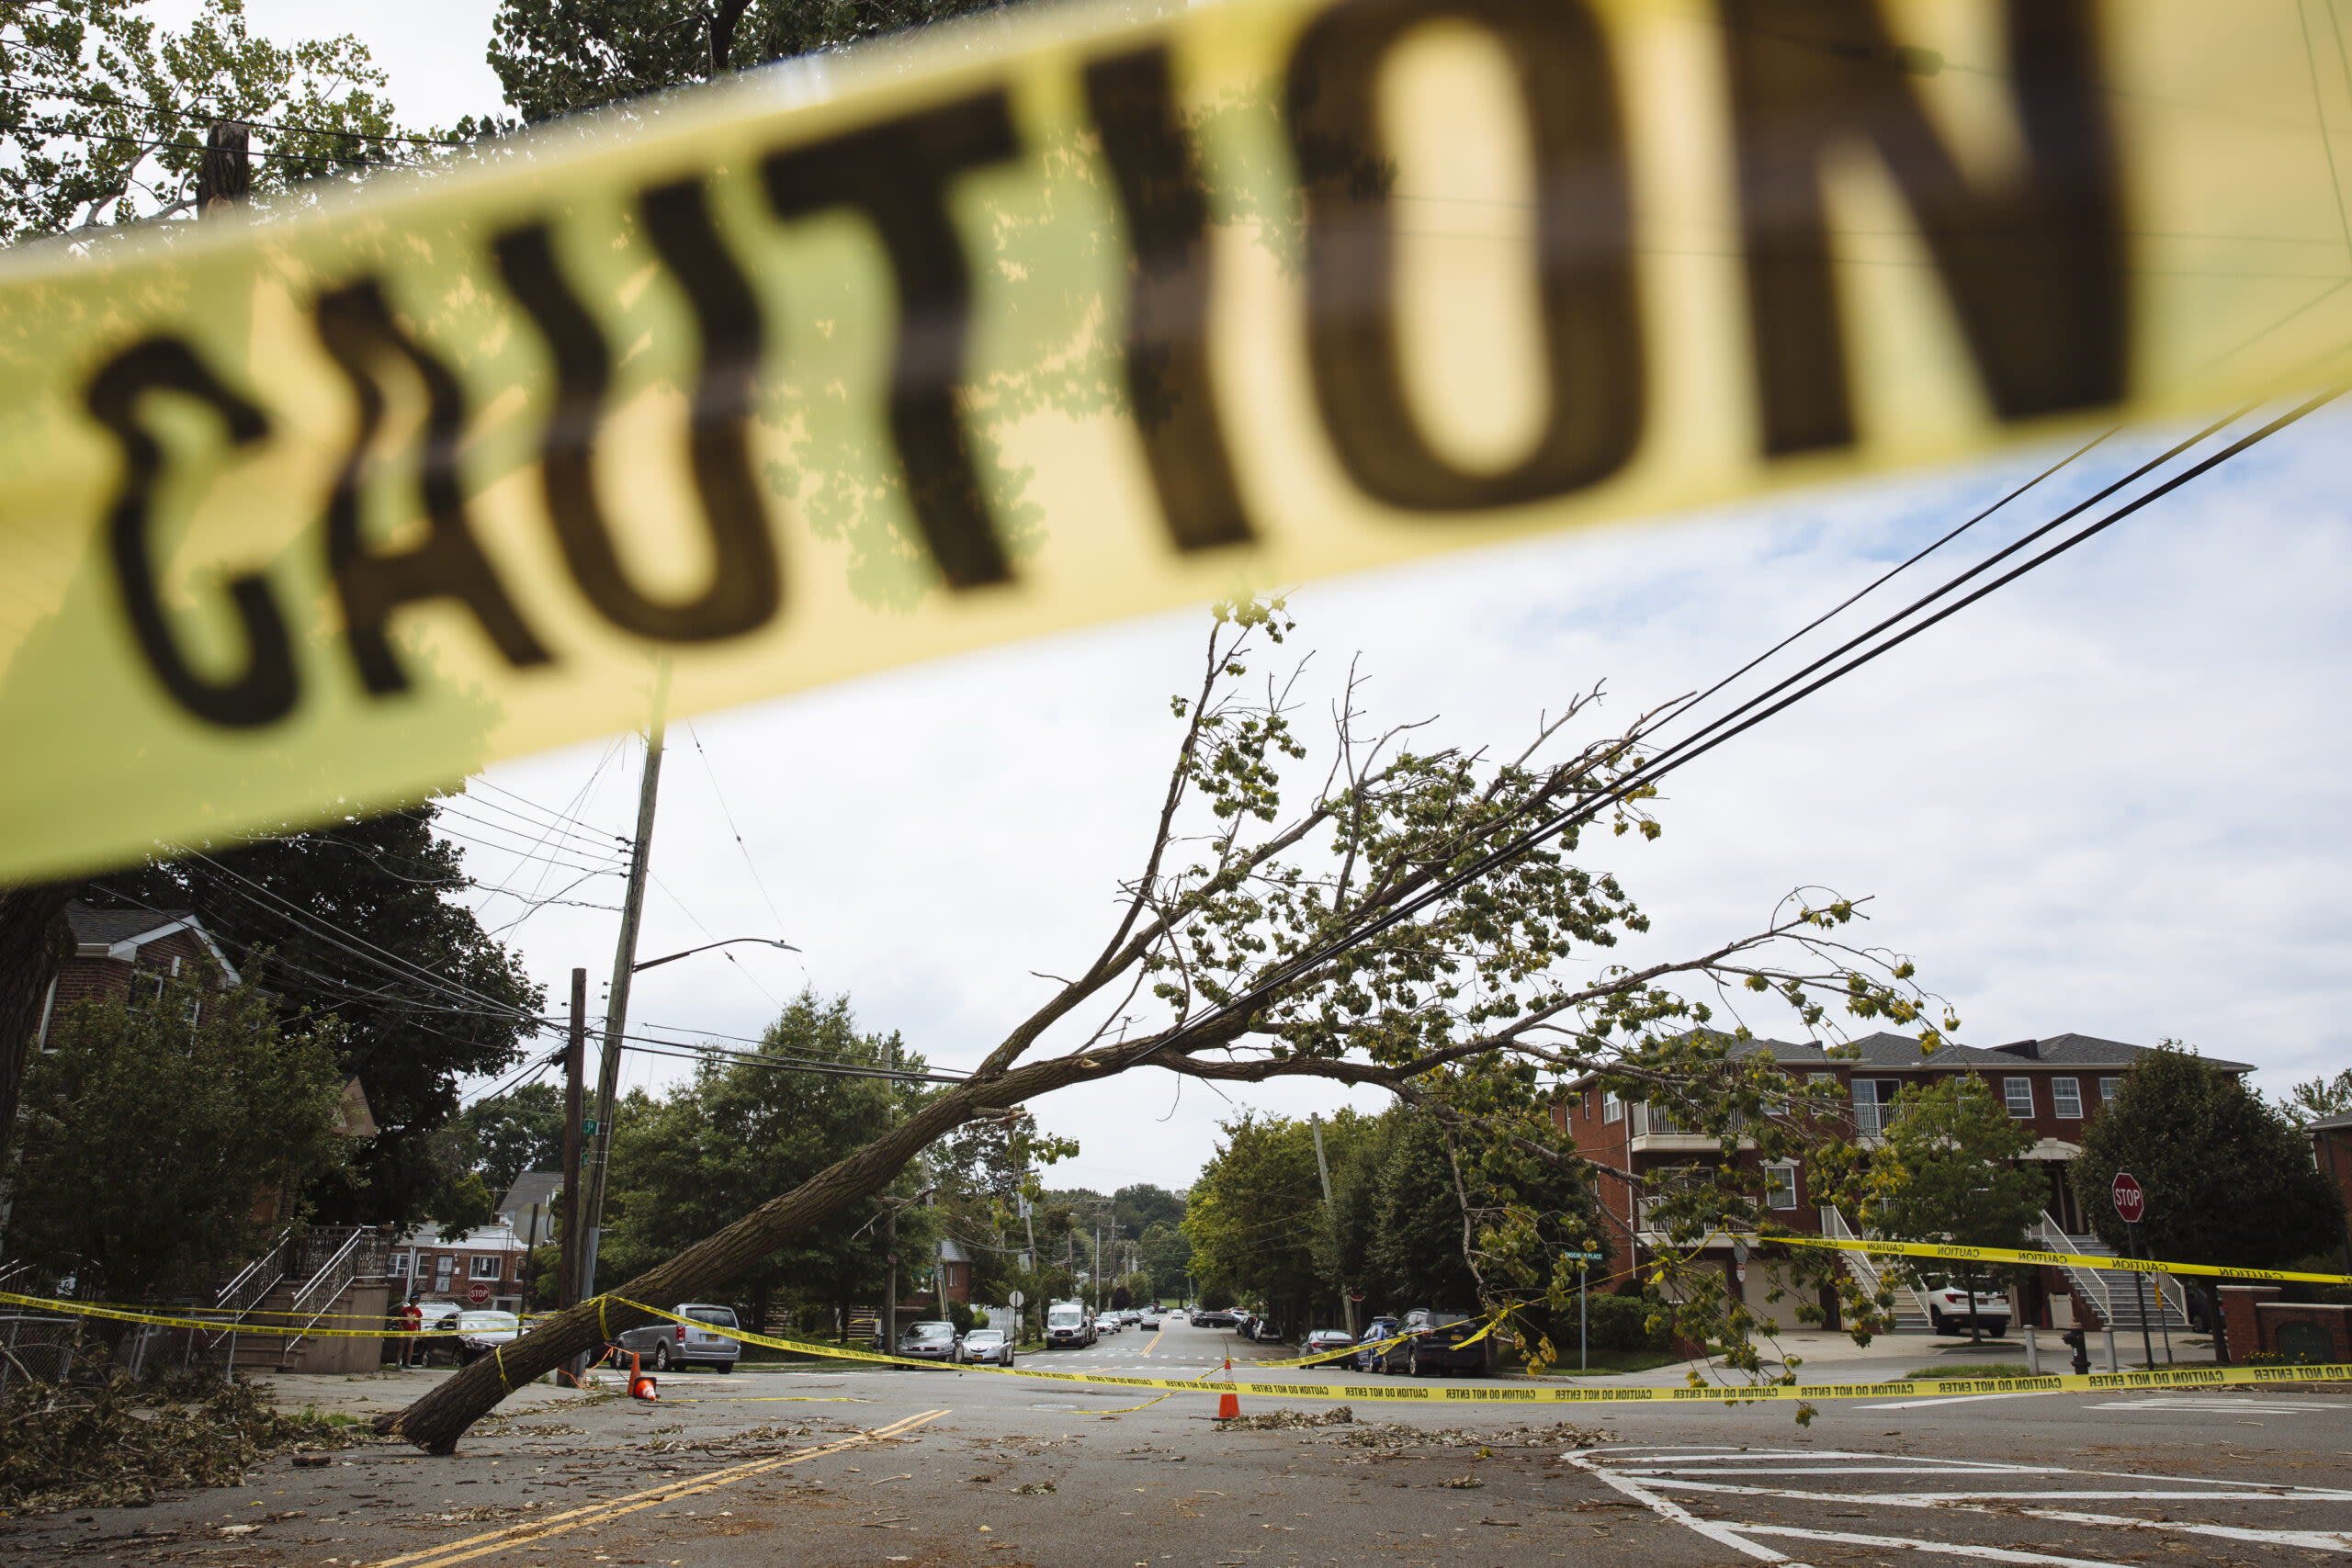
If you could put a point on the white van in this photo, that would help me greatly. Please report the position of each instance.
(1068, 1326)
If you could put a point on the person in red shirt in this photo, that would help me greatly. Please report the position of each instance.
(411, 1319)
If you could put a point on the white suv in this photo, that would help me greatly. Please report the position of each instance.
(1951, 1310)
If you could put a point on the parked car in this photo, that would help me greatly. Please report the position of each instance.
(1435, 1346)
(1266, 1331)
(1216, 1317)
(1378, 1329)
(1107, 1324)
(1068, 1326)
(929, 1341)
(985, 1344)
(480, 1333)
(1331, 1339)
(1951, 1309)
(661, 1345)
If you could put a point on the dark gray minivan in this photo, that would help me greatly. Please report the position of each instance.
(665, 1345)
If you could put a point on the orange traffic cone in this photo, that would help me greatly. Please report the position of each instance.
(1228, 1406)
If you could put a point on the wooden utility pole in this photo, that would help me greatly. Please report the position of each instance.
(608, 1068)
(575, 1052)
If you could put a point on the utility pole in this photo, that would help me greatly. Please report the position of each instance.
(1323, 1170)
(608, 1068)
(569, 1253)
(567, 1271)
(890, 1232)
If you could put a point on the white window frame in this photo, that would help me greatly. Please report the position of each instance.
(1780, 1185)
(2067, 1099)
(485, 1266)
(397, 1265)
(2107, 1089)
(1611, 1107)
(445, 1268)
(2010, 1088)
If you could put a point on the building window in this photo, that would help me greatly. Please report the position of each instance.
(1875, 1105)
(2018, 1092)
(1611, 1107)
(485, 1266)
(2107, 1089)
(1781, 1186)
(398, 1266)
(2066, 1098)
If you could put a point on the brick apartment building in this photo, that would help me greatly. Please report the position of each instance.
(2054, 1085)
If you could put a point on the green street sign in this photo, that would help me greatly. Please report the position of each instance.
(1587, 1257)
(588, 1127)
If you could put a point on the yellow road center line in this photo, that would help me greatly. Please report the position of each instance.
(533, 1530)
(1155, 1339)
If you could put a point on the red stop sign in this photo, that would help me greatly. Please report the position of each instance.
(479, 1292)
(2131, 1201)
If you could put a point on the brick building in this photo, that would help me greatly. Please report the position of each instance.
(115, 949)
(491, 1257)
(2332, 1151)
(2054, 1085)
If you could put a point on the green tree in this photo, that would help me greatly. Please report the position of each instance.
(2316, 1097)
(106, 115)
(150, 1133)
(714, 1148)
(509, 1134)
(2229, 1177)
(558, 57)
(364, 922)
(1253, 1214)
(1166, 1254)
(1945, 1174)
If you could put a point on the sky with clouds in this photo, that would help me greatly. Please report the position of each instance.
(2109, 799)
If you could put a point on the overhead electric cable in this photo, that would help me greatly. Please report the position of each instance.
(1691, 749)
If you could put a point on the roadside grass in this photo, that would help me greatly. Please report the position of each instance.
(1983, 1369)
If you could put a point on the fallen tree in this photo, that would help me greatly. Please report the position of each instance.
(1402, 930)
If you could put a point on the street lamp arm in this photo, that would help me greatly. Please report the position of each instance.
(706, 947)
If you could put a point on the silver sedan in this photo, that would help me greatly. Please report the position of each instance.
(986, 1345)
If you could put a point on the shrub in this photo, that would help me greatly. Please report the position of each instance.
(1617, 1322)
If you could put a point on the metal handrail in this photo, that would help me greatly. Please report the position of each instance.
(1833, 1223)
(252, 1286)
(2169, 1291)
(332, 1277)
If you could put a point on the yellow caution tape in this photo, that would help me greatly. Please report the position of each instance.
(2054, 1259)
(1536, 1393)
(999, 328)
(1511, 1393)
(188, 1318)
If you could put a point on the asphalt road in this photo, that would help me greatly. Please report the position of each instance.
(859, 1467)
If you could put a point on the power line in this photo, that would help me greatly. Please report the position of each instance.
(737, 833)
(1693, 747)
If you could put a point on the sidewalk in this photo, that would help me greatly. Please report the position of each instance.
(1822, 1357)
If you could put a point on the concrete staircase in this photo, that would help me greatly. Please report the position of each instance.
(1910, 1312)
(330, 1276)
(2114, 1292)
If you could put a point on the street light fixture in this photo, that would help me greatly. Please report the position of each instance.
(706, 947)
